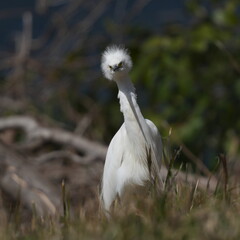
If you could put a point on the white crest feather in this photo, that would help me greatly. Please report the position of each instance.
(113, 55)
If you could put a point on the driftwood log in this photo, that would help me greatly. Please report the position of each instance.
(21, 178)
(36, 134)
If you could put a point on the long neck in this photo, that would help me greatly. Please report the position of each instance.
(133, 118)
(137, 129)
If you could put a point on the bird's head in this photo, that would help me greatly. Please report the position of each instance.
(116, 62)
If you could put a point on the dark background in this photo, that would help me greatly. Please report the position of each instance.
(186, 69)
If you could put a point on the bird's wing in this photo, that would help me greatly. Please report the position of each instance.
(112, 163)
(156, 146)
(157, 140)
(115, 150)
(151, 136)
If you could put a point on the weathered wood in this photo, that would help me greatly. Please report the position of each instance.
(37, 133)
(204, 183)
(21, 181)
(19, 176)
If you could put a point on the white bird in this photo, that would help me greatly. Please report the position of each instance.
(134, 154)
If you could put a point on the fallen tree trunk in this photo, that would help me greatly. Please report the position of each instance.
(204, 183)
(20, 177)
(37, 133)
(22, 182)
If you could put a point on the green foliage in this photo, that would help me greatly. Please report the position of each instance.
(192, 78)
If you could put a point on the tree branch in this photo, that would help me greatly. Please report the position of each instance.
(35, 132)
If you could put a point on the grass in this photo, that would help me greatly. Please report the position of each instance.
(180, 212)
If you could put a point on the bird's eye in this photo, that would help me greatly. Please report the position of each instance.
(110, 67)
(120, 64)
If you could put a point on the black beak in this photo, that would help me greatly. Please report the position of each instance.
(115, 68)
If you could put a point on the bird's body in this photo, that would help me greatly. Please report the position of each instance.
(134, 154)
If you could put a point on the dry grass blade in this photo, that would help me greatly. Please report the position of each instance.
(193, 195)
(223, 160)
(171, 163)
(65, 203)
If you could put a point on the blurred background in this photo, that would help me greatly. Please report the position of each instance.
(186, 72)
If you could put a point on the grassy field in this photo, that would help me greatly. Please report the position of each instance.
(53, 96)
(180, 212)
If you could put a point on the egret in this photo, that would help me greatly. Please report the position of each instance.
(134, 154)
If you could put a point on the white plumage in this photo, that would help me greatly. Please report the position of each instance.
(134, 154)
